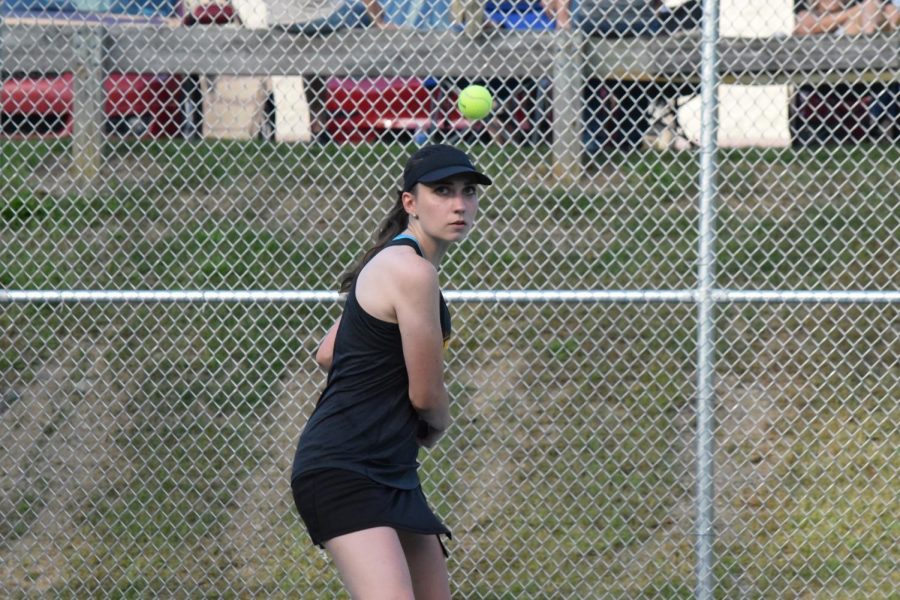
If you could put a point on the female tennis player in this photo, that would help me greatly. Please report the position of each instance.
(354, 479)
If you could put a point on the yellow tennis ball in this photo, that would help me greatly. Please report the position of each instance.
(475, 102)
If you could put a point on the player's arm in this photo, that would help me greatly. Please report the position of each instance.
(417, 309)
(325, 351)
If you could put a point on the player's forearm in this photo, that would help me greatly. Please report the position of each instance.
(434, 408)
(325, 350)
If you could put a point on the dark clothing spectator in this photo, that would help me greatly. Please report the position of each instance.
(624, 18)
(631, 18)
(840, 113)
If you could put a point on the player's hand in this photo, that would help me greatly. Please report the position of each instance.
(427, 435)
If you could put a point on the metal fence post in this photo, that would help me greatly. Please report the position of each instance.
(706, 305)
(568, 86)
(87, 111)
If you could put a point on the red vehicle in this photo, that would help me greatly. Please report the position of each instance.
(369, 109)
(365, 110)
(138, 104)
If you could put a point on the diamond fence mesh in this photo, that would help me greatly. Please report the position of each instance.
(183, 184)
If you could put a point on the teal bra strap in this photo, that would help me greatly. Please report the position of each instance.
(406, 236)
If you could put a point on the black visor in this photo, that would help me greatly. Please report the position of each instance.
(438, 162)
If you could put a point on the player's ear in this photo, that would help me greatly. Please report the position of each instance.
(408, 200)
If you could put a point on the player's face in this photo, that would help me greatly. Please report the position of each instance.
(446, 209)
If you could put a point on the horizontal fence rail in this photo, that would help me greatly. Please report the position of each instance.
(232, 51)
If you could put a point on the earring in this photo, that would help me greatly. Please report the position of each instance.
(416, 217)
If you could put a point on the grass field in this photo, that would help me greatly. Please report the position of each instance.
(151, 443)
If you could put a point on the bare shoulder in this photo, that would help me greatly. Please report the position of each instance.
(394, 274)
(408, 267)
(403, 266)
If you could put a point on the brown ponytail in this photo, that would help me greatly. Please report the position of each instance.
(396, 221)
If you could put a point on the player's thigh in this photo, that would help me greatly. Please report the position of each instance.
(427, 565)
(372, 564)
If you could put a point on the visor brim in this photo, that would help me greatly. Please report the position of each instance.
(447, 172)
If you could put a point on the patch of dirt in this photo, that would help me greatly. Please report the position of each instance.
(747, 451)
(57, 452)
(255, 536)
(486, 483)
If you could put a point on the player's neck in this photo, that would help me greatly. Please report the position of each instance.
(433, 250)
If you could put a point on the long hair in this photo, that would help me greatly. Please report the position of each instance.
(396, 221)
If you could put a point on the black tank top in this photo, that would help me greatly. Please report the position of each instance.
(364, 421)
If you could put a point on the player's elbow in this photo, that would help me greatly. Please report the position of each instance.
(428, 397)
(432, 407)
(323, 358)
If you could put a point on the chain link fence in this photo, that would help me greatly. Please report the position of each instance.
(674, 366)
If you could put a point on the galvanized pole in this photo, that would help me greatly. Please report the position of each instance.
(706, 304)
(568, 105)
(87, 109)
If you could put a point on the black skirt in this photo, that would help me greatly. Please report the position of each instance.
(334, 502)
